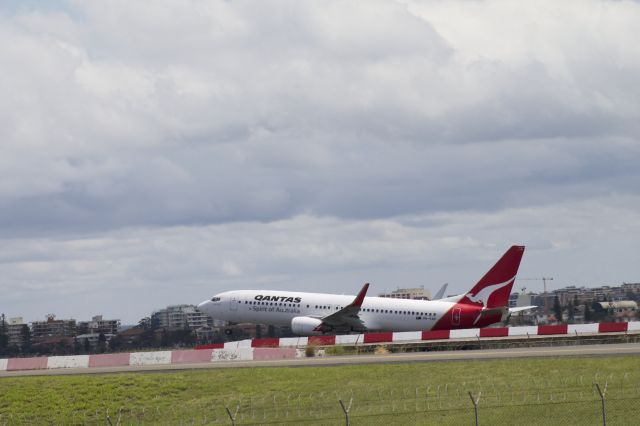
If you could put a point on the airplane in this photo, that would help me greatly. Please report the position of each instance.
(440, 292)
(320, 313)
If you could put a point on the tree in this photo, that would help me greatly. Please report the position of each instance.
(102, 343)
(116, 343)
(87, 346)
(145, 323)
(165, 339)
(557, 309)
(587, 312)
(4, 336)
(25, 334)
(570, 311)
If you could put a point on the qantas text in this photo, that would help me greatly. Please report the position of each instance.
(278, 299)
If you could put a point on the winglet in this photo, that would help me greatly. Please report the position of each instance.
(357, 302)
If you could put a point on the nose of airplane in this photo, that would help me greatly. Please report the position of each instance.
(202, 307)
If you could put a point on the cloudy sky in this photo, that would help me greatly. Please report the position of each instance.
(154, 153)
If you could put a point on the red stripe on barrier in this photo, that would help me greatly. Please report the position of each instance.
(552, 329)
(265, 343)
(435, 335)
(378, 337)
(321, 340)
(262, 354)
(612, 327)
(494, 332)
(36, 363)
(109, 360)
(190, 355)
(211, 346)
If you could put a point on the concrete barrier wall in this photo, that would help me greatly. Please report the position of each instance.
(71, 361)
(407, 336)
(523, 331)
(265, 343)
(436, 335)
(582, 328)
(494, 332)
(191, 356)
(293, 341)
(37, 363)
(265, 354)
(468, 333)
(633, 326)
(378, 337)
(240, 354)
(321, 340)
(291, 347)
(546, 330)
(239, 344)
(210, 346)
(150, 358)
(612, 327)
(349, 339)
(109, 360)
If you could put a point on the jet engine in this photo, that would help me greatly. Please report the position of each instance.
(306, 326)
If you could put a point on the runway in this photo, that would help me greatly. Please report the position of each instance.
(512, 353)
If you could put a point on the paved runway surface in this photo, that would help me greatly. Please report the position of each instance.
(538, 352)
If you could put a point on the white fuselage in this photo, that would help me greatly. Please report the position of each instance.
(280, 307)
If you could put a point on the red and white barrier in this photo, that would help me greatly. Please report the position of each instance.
(237, 354)
(150, 358)
(109, 360)
(189, 356)
(35, 363)
(418, 336)
(292, 347)
(268, 354)
(633, 326)
(72, 361)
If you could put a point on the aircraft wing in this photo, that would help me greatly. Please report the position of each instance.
(347, 317)
(521, 309)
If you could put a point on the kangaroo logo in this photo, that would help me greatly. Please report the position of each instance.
(485, 293)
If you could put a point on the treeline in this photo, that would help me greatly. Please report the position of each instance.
(143, 336)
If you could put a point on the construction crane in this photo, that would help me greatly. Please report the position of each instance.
(544, 283)
(543, 279)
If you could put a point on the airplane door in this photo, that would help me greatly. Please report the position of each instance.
(233, 304)
(455, 316)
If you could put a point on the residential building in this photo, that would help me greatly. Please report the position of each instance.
(181, 316)
(17, 332)
(99, 325)
(408, 293)
(93, 339)
(631, 288)
(52, 327)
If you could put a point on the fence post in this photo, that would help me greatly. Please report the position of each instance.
(234, 415)
(602, 394)
(475, 404)
(346, 409)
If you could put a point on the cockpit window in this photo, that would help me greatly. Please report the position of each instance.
(215, 299)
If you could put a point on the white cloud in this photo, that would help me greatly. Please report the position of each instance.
(132, 271)
(164, 133)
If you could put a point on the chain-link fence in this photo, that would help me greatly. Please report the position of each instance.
(568, 401)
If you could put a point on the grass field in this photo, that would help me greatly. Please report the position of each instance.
(527, 391)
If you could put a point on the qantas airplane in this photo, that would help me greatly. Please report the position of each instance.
(317, 313)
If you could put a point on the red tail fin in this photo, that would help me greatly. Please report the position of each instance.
(494, 288)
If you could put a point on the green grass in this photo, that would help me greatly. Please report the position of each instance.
(526, 391)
